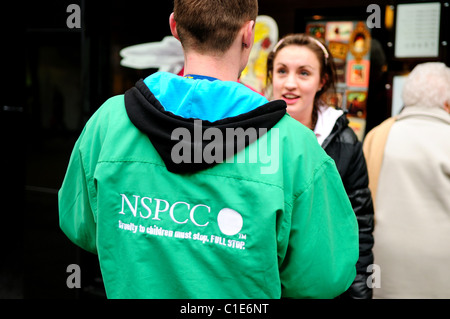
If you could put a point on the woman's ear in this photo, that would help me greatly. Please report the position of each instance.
(323, 81)
(173, 27)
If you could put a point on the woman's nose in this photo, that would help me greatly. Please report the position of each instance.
(290, 82)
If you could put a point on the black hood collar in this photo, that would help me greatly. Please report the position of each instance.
(170, 134)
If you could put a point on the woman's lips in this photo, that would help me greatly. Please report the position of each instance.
(290, 98)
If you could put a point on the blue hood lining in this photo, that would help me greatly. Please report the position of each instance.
(202, 99)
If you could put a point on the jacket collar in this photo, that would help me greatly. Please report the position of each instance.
(326, 121)
(341, 124)
(420, 111)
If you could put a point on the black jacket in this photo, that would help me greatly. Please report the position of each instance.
(344, 147)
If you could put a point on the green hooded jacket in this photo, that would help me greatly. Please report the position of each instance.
(247, 205)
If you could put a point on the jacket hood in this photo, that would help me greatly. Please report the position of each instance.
(182, 141)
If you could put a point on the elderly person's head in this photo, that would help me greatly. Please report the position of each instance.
(428, 85)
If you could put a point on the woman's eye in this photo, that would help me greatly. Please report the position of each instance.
(304, 73)
(281, 71)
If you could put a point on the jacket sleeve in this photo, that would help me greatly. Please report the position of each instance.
(76, 216)
(356, 183)
(323, 241)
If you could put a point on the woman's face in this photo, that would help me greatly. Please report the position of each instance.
(296, 80)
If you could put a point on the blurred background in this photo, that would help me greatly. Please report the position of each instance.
(54, 77)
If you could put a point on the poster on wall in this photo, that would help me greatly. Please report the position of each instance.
(349, 44)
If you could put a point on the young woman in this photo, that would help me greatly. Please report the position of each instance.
(300, 70)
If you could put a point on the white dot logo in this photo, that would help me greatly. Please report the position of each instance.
(230, 221)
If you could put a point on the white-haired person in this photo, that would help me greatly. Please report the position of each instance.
(408, 158)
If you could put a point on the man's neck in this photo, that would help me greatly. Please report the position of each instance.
(218, 67)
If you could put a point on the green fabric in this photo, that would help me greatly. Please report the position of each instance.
(291, 233)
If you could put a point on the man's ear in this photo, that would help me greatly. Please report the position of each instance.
(173, 27)
(447, 107)
(248, 34)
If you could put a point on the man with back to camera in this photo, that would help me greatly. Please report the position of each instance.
(170, 218)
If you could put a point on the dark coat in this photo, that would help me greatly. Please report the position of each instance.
(344, 147)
